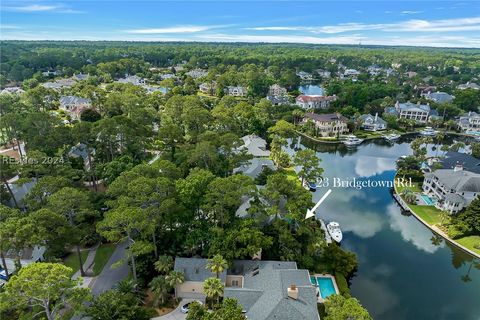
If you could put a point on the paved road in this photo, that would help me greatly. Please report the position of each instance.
(175, 314)
(111, 276)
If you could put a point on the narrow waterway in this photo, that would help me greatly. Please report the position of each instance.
(403, 272)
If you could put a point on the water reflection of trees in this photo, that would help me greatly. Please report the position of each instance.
(460, 259)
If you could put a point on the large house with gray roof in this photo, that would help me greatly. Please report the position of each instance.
(266, 290)
(418, 112)
(453, 189)
(438, 97)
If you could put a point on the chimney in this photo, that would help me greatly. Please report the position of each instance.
(292, 292)
(376, 116)
(458, 167)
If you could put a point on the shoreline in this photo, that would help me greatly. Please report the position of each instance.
(461, 134)
(433, 228)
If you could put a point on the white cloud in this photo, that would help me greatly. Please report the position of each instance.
(412, 230)
(414, 25)
(405, 12)
(41, 8)
(167, 30)
(371, 166)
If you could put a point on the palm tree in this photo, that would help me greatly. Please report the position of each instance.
(213, 288)
(217, 264)
(164, 264)
(160, 289)
(175, 278)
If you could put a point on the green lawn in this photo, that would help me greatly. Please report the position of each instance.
(101, 257)
(71, 260)
(470, 242)
(430, 214)
(292, 175)
(433, 216)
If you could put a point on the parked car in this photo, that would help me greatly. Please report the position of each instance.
(187, 305)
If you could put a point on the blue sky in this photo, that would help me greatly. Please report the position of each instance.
(415, 23)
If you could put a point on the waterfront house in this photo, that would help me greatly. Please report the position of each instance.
(418, 112)
(236, 91)
(453, 189)
(276, 90)
(314, 101)
(327, 125)
(278, 100)
(372, 123)
(266, 290)
(325, 74)
(469, 121)
(438, 97)
(305, 75)
(255, 146)
(468, 85)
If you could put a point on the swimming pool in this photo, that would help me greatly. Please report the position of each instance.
(427, 199)
(325, 284)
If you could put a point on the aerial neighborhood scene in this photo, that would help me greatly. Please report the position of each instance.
(226, 160)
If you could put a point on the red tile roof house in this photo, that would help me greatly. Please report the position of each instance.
(314, 102)
(328, 125)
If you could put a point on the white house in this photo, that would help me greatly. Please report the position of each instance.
(454, 189)
(418, 112)
(372, 123)
(469, 121)
(314, 101)
(327, 125)
(236, 91)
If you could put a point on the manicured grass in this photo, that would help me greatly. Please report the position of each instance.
(430, 214)
(470, 242)
(71, 260)
(342, 284)
(101, 257)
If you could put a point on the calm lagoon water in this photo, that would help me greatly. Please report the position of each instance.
(311, 89)
(402, 273)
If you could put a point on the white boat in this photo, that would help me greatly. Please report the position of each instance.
(352, 140)
(428, 132)
(334, 231)
(309, 185)
(391, 136)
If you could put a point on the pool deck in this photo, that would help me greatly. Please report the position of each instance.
(324, 275)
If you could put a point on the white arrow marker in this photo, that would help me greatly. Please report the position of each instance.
(311, 213)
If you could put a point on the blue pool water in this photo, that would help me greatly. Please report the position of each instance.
(325, 284)
(427, 199)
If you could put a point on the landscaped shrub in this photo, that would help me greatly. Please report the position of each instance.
(342, 284)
